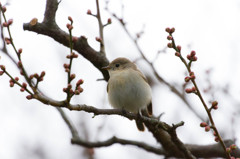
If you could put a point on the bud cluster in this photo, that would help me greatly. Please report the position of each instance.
(190, 90)
(8, 23)
(72, 55)
(190, 77)
(231, 147)
(38, 77)
(78, 89)
(24, 87)
(192, 56)
(170, 30)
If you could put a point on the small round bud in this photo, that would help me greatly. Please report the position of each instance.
(42, 74)
(177, 54)
(70, 18)
(5, 24)
(98, 39)
(76, 92)
(179, 48)
(69, 26)
(167, 30)
(89, 12)
(203, 124)
(10, 21)
(109, 21)
(207, 128)
(216, 139)
(64, 89)
(24, 85)
(16, 78)
(1, 73)
(22, 89)
(215, 107)
(20, 50)
(172, 30)
(169, 37)
(228, 150)
(4, 9)
(29, 97)
(79, 82)
(214, 103)
(2, 67)
(187, 79)
(66, 65)
(170, 45)
(72, 76)
(188, 90)
(233, 147)
(19, 64)
(192, 77)
(193, 53)
(11, 84)
(193, 89)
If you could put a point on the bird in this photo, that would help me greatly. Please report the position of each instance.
(128, 88)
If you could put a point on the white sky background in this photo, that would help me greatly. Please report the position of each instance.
(211, 28)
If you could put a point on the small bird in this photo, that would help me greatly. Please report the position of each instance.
(128, 88)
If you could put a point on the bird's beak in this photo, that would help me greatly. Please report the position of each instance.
(106, 68)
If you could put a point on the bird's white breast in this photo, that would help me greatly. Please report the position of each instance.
(128, 90)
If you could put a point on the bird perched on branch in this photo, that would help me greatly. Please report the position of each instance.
(128, 88)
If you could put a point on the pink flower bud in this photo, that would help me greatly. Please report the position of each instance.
(42, 74)
(69, 26)
(20, 50)
(4, 9)
(228, 150)
(5, 24)
(69, 86)
(109, 21)
(167, 30)
(22, 89)
(170, 45)
(19, 64)
(2, 67)
(98, 39)
(89, 12)
(70, 19)
(179, 48)
(79, 82)
(169, 37)
(16, 78)
(216, 139)
(207, 128)
(203, 124)
(188, 90)
(10, 21)
(24, 85)
(72, 76)
(214, 103)
(76, 92)
(64, 89)
(177, 54)
(233, 147)
(172, 30)
(11, 84)
(1, 73)
(187, 79)
(29, 97)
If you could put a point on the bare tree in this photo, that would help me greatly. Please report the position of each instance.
(165, 134)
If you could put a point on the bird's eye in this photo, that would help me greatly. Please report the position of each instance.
(117, 65)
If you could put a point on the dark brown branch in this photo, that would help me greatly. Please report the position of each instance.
(49, 28)
(115, 140)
